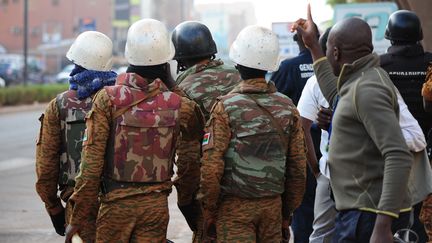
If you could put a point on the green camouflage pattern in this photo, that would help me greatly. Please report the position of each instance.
(72, 112)
(203, 83)
(141, 147)
(255, 162)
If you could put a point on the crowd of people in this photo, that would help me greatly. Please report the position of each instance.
(335, 145)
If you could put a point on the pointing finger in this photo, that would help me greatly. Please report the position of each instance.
(309, 13)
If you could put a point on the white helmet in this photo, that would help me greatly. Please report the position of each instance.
(256, 47)
(92, 50)
(148, 43)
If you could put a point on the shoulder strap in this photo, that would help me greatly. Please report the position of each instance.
(274, 122)
(120, 112)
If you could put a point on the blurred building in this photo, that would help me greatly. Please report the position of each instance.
(53, 24)
(171, 12)
(225, 21)
(126, 12)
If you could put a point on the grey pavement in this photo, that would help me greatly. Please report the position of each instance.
(23, 216)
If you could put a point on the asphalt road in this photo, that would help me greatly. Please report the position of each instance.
(22, 215)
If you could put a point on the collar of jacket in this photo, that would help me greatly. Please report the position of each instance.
(198, 68)
(406, 50)
(350, 70)
(135, 81)
(305, 52)
(257, 85)
(202, 66)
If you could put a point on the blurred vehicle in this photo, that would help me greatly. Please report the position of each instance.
(63, 75)
(12, 65)
(2, 83)
(10, 73)
(120, 70)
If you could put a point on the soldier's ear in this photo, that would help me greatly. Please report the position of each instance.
(336, 53)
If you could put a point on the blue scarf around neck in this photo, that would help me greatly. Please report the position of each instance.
(87, 82)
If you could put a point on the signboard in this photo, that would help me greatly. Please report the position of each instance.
(87, 24)
(287, 46)
(126, 12)
(375, 14)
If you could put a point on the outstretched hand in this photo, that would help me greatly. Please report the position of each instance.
(309, 33)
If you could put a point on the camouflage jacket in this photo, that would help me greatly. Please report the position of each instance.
(99, 124)
(205, 82)
(142, 139)
(47, 157)
(220, 134)
(57, 159)
(72, 112)
(188, 159)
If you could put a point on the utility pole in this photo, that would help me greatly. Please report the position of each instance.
(25, 35)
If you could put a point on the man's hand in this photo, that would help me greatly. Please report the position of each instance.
(309, 32)
(324, 118)
(58, 219)
(70, 231)
(382, 229)
(286, 235)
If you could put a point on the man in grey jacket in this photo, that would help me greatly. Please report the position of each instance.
(368, 158)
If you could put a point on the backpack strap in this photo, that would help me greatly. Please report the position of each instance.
(274, 122)
(120, 112)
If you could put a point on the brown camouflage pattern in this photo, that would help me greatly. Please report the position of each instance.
(213, 162)
(47, 157)
(198, 235)
(426, 216)
(140, 218)
(204, 82)
(87, 186)
(87, 231)
(249, 220)
(144, 136)
(255, 161)
(72, 112)
(48, 161)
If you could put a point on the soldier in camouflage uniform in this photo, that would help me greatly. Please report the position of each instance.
(203, 80)
(254, 160)
(58, 151)
(132, 132)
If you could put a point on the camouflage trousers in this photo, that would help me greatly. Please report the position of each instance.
(138, 218)
(249, 220)
(426, 216)
(87, 230)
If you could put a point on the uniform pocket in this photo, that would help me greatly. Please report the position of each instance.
(39, 138)
(88, 132)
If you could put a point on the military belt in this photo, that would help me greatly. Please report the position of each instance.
(109, 185)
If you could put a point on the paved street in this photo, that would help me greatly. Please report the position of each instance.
(23, 217)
